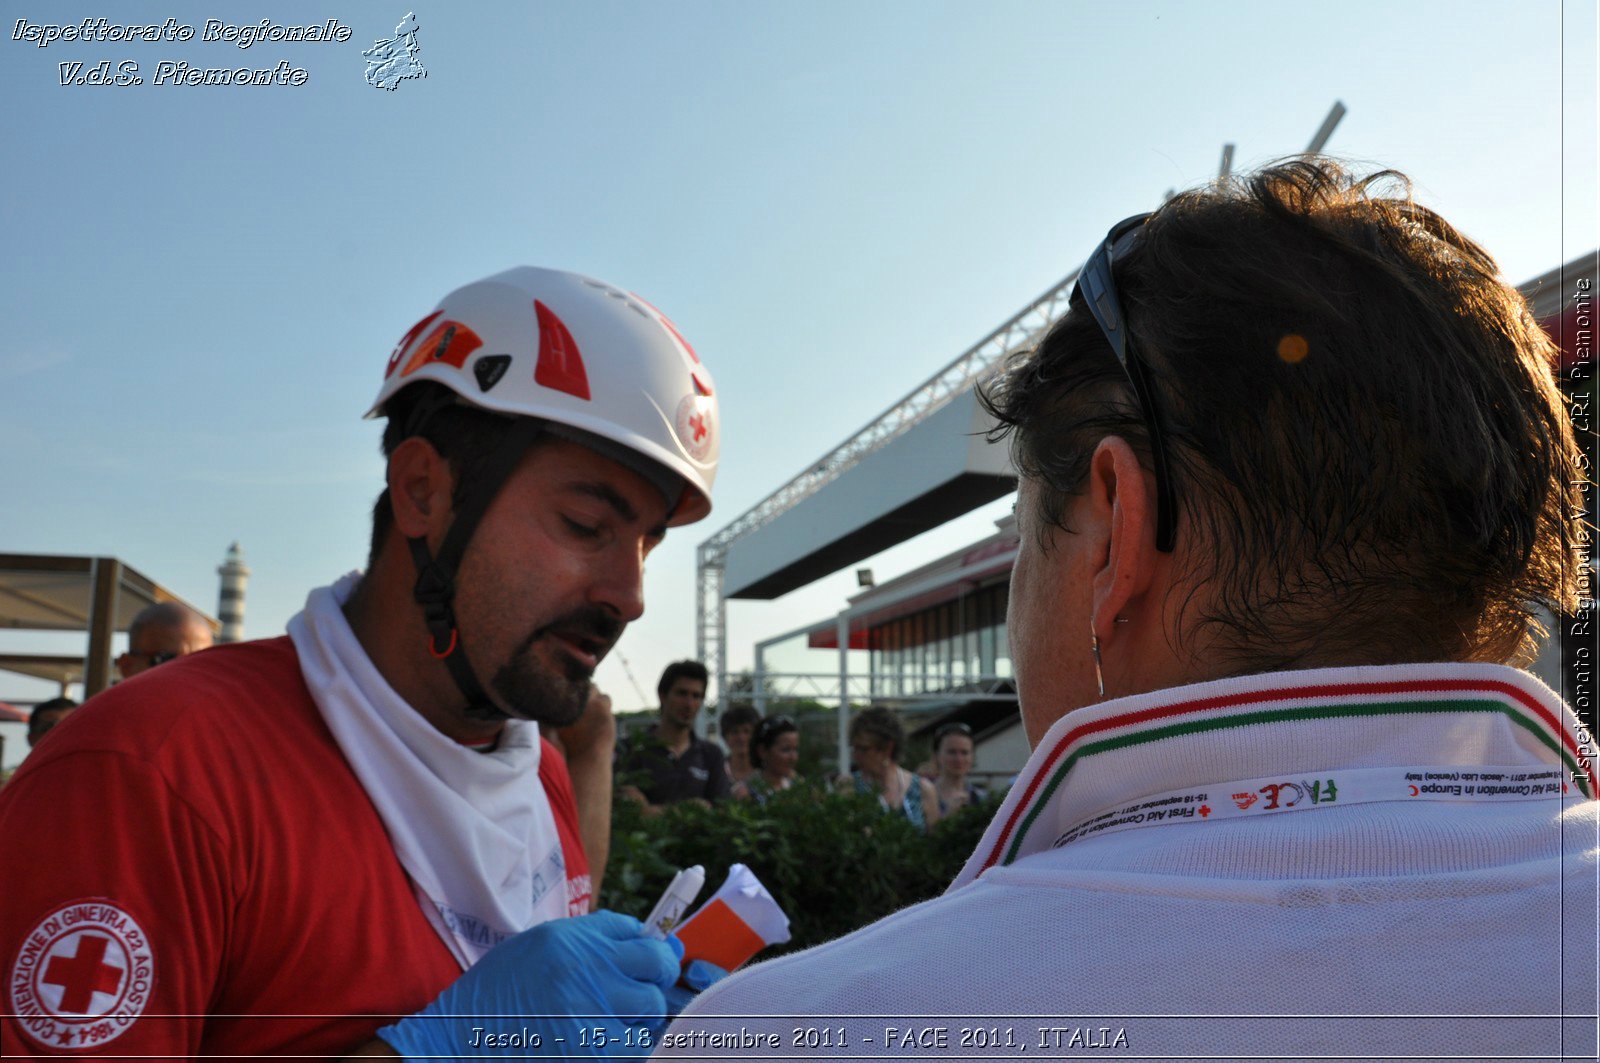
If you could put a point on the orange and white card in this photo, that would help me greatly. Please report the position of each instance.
(739, 920)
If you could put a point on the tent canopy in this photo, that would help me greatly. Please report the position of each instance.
(96, 595)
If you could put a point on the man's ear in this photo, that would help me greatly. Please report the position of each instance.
(1120, 499)
(420, 490)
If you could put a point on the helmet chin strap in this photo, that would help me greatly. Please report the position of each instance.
(435, 590)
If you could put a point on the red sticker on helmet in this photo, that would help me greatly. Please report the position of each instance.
(406, 341)
(449, 342)
(560, 366)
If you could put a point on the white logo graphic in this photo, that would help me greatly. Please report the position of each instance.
(391, 62)
(82, 977)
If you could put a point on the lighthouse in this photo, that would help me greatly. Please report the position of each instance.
(230, 604)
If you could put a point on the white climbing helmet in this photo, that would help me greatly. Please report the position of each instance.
(573, 351)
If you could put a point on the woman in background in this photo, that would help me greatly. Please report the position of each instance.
(774, 752)
(876, 739)
(735, 726)
(952, 756)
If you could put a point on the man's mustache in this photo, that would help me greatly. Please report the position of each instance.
(590, 626)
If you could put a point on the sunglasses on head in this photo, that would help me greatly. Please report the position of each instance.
(1097, 287)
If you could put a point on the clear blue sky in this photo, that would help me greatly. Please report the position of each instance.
(201, 284)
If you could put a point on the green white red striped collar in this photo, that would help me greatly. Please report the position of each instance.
(1136, 741)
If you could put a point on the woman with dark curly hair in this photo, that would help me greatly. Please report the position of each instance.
(736, 726)
(774, 752)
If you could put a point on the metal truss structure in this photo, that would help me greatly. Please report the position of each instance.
(983, 358)
(710, 622)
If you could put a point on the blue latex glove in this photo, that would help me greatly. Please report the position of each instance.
(590, 986)
(697, 977)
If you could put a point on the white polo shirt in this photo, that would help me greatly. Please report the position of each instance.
(1353, 863)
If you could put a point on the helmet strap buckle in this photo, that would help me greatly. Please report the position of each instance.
(434, 592)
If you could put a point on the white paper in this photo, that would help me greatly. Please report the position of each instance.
(750, 901)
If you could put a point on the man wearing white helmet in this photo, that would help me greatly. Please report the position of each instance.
(292, 841)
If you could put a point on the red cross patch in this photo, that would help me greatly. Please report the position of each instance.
(82, 975)
(696, 424)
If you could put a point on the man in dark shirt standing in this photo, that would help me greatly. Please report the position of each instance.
(669, 763)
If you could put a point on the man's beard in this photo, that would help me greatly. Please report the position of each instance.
(532, 691)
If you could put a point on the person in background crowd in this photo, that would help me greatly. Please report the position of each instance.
(46, 715)
(669, 762)
(775, 751)
(952, 754)
(277, 846)
(1294, 477)
(162, 632)
(736, 726)
(876, 739)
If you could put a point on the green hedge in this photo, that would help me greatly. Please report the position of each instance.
(835, 862)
